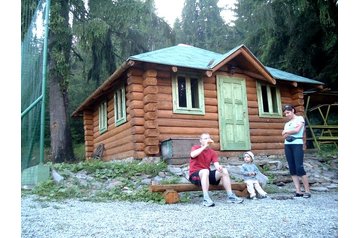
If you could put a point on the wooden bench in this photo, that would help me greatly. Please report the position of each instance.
(330, 138)
(170, 191)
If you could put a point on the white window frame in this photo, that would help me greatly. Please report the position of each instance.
(189, 109)
(273, 101)
(102, 117)
(120, 106)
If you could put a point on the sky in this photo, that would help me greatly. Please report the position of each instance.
(171, 9)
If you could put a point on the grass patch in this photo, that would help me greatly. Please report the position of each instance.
(95, 180)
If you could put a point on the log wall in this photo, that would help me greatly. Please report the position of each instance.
(150, 118)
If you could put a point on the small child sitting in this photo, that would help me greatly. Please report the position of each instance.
(250, 172)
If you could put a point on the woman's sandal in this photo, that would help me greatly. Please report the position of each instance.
(306, 195)
(298, 195)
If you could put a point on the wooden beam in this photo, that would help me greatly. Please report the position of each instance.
(191, 187)
(249, 73)
(208, 73)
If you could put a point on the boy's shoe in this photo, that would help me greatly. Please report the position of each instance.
(208, 203)
(306, 195)
(234, 199)
(263, 196)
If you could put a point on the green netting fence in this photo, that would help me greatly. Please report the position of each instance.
(33, 85)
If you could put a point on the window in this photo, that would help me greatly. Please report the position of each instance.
(120, 106)
(269, 100)
(188, 94)
(102, 117)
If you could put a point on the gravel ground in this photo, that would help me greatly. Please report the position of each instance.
(299, 217)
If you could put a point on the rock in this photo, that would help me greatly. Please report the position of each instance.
(56, 176)
(281, 197)
(175, 170)
(319, 189)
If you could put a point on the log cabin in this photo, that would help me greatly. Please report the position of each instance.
(182, 91)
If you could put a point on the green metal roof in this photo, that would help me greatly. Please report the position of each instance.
(192, 57)
(179, 55)
(279, 74)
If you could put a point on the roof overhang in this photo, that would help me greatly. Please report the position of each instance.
(103, 88)
(248, 62)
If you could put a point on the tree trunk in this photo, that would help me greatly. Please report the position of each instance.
(59, 52)
(61, 141)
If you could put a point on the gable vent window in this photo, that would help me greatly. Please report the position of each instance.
(188, 94)
(269, 100)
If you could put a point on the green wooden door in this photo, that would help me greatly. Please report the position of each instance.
(233, 114)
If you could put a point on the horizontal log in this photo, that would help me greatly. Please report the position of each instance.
(188, 123)
(88, 121)
(211, 101)
(268, 132)
(88, 154)
(186, 187)
(139, 154)
(267, 146)
(149, 81)
(136, 112)
(87, 114)
(150, 90)
(118, 140)
(211, 109)
(89, 143)
(151, 132)
(185, 131)
(164, 97)
(118, 156)
(163, 90)
(124, 148)
(150, 98)
(134, 79)
(163, 137)
(210, 94)
(257, 118)
(151, 150)
(137, 121)
(265, 125)
(151, 107)
(150, 116)
(164, 74)
(88, 133)
(135, 96)
(170, 114)
(135, 88)
(134, 104)
(209, 87)
(266, 139)
(165, 105)
(135, 71)
(152, 124)
(151, 73)
(121, 130)
(137, 130)
(151, 141)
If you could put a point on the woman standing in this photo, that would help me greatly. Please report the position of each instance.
(293, 134)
